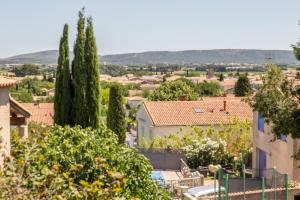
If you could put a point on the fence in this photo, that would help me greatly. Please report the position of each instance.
(164, 159)
(272, 185)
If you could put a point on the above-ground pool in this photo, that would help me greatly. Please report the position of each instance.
(157, 176)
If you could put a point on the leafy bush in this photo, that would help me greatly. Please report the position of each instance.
(209, 89)
(173, 91)
(237, 137)
(207, 152)
(75, 163)
(26, 69)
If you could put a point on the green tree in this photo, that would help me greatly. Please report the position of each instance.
(74, 163)
(188, 82)
(221, 78)
(58, 113)
(278, 101)
(209, 89)
(173, 91)
(93, 84)
(79, 73)
(26, 69)
(66, 96)
(242, 86)
(116, 113)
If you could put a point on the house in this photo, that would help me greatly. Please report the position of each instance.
(11, 114)
(162, 118)
(268, 153)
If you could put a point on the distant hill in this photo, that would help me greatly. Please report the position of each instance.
(170, 57)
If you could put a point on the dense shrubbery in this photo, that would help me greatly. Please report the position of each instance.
(26, 69)
(237, 138)
(75, 163)
(209, 89)
(207, 152)
(173, 91)
(29, 87)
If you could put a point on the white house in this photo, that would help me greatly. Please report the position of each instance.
(268, 153)
(162, 118)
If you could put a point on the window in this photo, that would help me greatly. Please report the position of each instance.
(283, 137)
(198, 110)
(261, 123)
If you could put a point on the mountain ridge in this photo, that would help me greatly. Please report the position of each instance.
(254, 56)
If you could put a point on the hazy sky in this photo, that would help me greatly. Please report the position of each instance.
(123, 26)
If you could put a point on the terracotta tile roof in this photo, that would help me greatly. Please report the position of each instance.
(40, 113)
(6, 82)
(209, 111)
(17, 107)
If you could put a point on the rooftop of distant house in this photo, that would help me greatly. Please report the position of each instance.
(40, 112)
(208, 111)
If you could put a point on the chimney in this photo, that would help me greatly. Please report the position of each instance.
(183, 98)
(37, 103)
(225, 105)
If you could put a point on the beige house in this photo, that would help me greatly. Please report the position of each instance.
(268, 153)
(162, 118)
(11, 113)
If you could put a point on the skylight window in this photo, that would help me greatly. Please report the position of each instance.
(198, 110)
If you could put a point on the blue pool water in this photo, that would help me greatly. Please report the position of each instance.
(157, 176)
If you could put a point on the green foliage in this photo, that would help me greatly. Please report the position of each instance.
(33, 86)
(24, 97)
(93, 85)
(104, 99)
(74, 163)
(125, 88)
(113, 70)
(188, 82)
(207, 152)
(278, 101)
(26, 69)
(66, 96)
(209, 89)
(28, 87)
(173, 91)
(116, 113)
(242, 86)
(146, 93)
(221, 78)
(49, 99)
(79, 74)
(62, 97)
(237, 137)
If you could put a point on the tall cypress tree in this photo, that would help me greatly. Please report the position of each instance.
(116, 113)
(93, 85)
(79, 73)
(66, 101)
(58, 119)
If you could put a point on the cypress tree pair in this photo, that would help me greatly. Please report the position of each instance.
(63, 99)
(116, 113)
(77, 96)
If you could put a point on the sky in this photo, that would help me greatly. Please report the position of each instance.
(126, 26)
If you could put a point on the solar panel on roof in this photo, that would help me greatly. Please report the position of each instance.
(198, 110)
